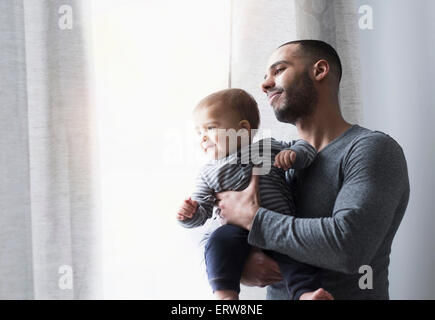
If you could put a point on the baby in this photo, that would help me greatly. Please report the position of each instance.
(230, 168)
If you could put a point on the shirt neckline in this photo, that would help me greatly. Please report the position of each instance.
(339, 137)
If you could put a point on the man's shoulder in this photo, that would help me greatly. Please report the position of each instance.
(373, 141)
(362, 134)
(375, 150)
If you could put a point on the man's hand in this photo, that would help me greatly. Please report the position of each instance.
(187, 210)
(239, 207)
(260, 270)
(285, 159)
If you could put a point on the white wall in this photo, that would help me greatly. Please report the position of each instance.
(397, 62)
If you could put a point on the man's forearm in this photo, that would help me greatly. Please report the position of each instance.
(332, 243)
(313, 241)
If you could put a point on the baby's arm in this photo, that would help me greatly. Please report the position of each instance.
(195, 210)
(297, 155)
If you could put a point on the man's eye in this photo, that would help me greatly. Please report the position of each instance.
(277, 71)
(211, 128)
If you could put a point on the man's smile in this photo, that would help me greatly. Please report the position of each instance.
(273, 95)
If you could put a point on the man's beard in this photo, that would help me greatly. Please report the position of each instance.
(300, 101)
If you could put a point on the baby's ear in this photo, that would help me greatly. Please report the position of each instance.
(245, 125)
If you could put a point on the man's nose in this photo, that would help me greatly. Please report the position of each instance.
(267, 84)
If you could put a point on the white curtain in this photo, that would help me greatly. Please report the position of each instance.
(48, 209)
(336, 22)
(260, 26)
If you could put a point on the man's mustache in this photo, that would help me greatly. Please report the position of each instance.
(275, 91)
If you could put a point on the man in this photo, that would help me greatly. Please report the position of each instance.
(349, 202)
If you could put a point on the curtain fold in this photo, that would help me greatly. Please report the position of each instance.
(49, 239)
(336, 22)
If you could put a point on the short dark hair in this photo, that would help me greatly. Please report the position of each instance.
(317, 50)
(237, 100)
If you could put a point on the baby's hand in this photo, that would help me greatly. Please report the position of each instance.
(187, 210)
(285, 159)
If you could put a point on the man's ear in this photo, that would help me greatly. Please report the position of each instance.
(321, 70)
(245, 125)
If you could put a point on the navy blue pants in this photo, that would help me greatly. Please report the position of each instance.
(225, 255)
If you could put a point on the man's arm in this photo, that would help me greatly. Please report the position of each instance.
(375, 182)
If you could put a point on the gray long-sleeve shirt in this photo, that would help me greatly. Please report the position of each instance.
(349, 204)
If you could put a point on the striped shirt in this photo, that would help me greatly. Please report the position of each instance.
(233, 173)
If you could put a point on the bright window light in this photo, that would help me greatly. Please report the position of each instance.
(154, 60)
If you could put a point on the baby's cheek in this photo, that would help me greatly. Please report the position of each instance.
(219, 140)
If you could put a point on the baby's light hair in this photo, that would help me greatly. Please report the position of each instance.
(237, 100)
